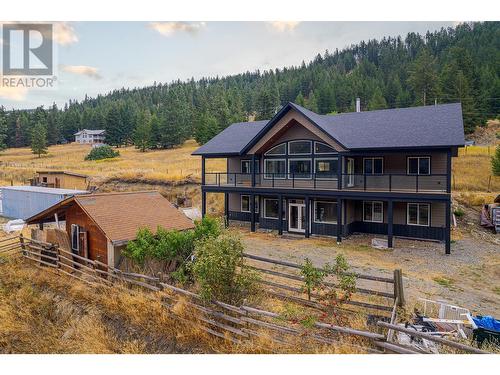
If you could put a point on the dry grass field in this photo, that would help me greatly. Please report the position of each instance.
(153, 167)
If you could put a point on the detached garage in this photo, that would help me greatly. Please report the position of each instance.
(22, 202)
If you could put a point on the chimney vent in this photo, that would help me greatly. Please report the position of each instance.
(358, 105)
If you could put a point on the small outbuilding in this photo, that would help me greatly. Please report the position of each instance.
(60, 180)
(21, 202)
(99, 226)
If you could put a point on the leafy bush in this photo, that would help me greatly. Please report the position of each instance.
(495, 162)
(219, 270)
(459, 212)
(313, 277)
(102, 152)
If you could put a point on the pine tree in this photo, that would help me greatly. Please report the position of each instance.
(39, 140)
(377, 100)
(206, 128)
(114, 136)
(495, 162)
(423, 77)
(3, 129)
(142, 133)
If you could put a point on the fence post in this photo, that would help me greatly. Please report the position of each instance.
(398, 287)
(21, 241)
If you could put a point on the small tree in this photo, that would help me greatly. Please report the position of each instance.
(39, 140)
(102, 152)
(313, 277)
(495, 162)
(220, 270)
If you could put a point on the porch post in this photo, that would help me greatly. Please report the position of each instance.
(226, 209)
(389, 223)
(280, 214)
(203, 170)
(339, 171)
(252, 212)
(203, 203)
(307, 217)
(448, 172)
(252, 168)
(447, 234)
(339, 220)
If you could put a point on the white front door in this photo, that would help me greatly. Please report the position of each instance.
(297, 217)
(350, 172)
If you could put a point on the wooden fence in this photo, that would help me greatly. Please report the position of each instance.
(228, 322)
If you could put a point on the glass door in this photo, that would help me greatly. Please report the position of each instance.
(296, 217)
(350, 172)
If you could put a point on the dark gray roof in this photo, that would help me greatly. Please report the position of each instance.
(232, 139)
(416, 127)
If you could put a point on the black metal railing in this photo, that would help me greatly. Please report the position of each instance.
(329, 181)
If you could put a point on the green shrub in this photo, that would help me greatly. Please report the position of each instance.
(102, 152)
(313, 277)
(141, 247)
(220, 272)
(207, 227)
(495, 162)
(459, 212)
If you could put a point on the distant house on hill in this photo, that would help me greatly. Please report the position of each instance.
(90, 136)
(60, 179)
(99, 226)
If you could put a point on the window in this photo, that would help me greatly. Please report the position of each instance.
(44, 179)
(299, 147)
(373, 165)
(373, 211)
(325, 212)
(419, 165)
(245, 166)
(75, 238)
(418, 214)
(271, 208)
(326, 168)
(277, 150)
(275, 168)
(299, 168)
(245, 203)
(323, 148)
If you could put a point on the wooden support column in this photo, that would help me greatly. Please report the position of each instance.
(339, 220)
(447, 234)
(448, 172)
(308, 212)
(280, 214)
(226, 209)
(252, 212)
(252, 169)
(202, 170)
(203, 203)
(389, 223)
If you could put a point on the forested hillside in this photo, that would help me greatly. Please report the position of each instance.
(450, 65)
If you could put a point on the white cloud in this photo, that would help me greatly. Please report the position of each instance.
(13, 93)
(284, 26)
(169, 28)
(88, 71)
(64, 33)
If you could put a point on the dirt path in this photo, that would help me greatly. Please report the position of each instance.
(469, 277)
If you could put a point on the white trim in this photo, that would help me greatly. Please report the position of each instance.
(314, 212)
(265, 170)
(300, 153)
(249, 164)
(272, 148)
(373, 164)
(323, 153)
(264, 211)
(326, 178)
(418, 214)
(299, 217)
(299, 159)
(373, 221)
(418, 165)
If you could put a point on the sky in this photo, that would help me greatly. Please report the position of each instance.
(96, 57)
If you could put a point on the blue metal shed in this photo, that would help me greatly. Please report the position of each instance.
(22, 202)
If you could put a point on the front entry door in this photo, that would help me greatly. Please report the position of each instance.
(297, 217)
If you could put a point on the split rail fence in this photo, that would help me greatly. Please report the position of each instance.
(229, 322)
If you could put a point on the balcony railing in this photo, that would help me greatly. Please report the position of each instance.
(434, 183)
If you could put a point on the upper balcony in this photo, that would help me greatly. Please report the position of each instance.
(392, 182)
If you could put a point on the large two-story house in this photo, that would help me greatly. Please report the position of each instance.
(384, 172)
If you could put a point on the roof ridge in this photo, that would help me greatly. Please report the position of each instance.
(117, 193)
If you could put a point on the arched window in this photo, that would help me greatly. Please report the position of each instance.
(323, 148)
(277, 150)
